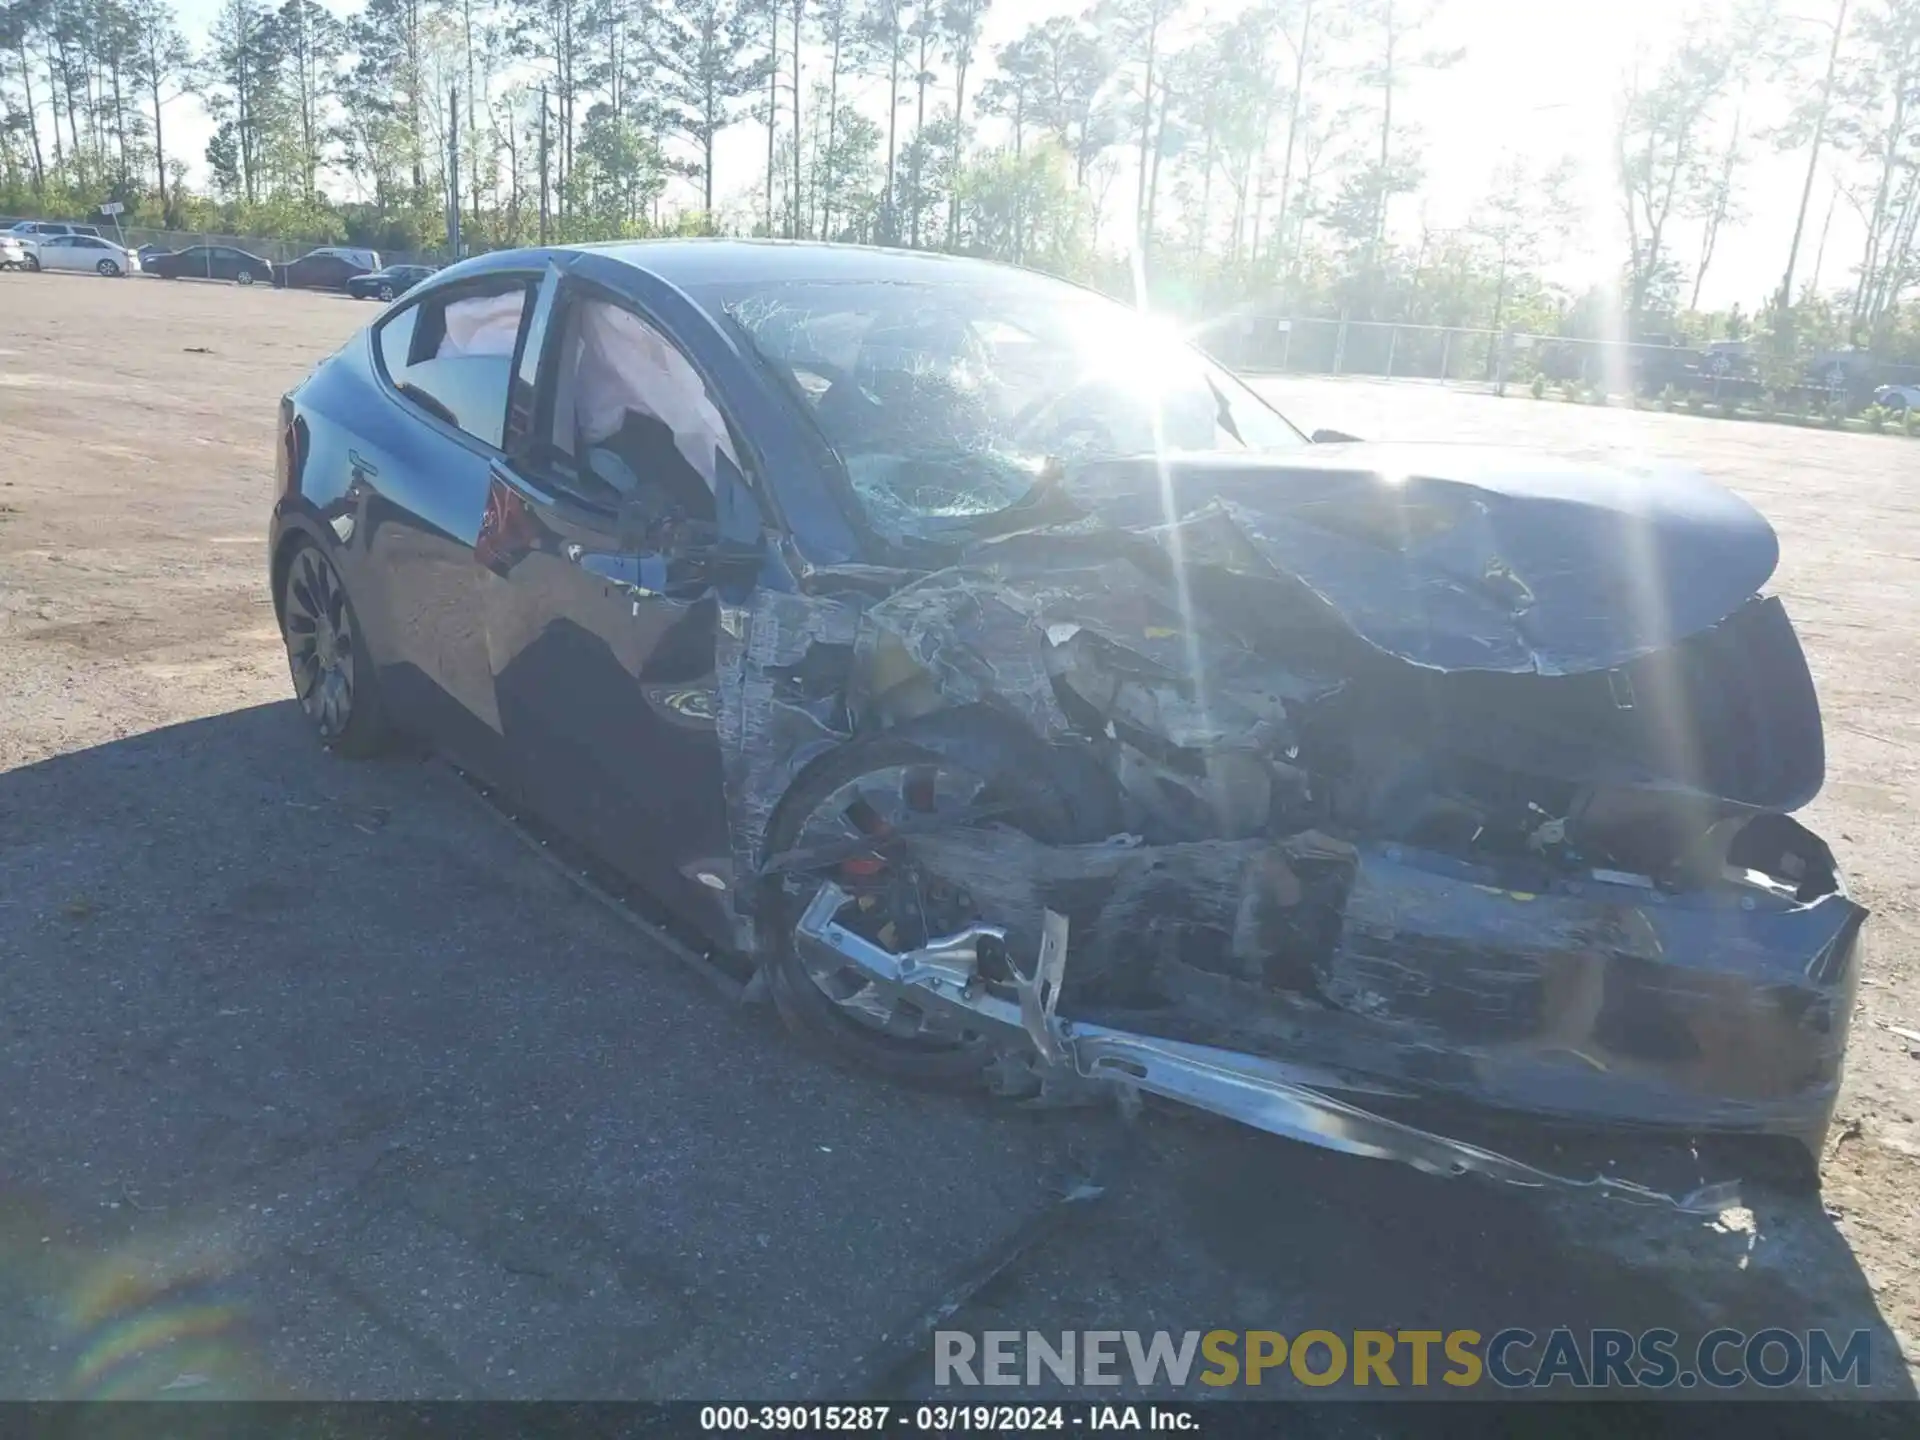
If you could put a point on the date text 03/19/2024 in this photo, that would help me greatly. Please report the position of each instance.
(944, 1419)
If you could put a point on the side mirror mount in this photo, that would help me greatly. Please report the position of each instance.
(725, 565)
(1333, 437)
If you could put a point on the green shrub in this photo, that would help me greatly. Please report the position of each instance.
(1539, 387)
(1908, 422)
(1729, 409)
(1836, 415)
(1876, 417)
(1669, 397)
(1696, 402)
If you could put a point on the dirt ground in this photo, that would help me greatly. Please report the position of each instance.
(243, 983)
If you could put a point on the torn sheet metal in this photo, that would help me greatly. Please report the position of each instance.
(773, 716)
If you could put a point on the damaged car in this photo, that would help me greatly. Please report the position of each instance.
(1027, 705)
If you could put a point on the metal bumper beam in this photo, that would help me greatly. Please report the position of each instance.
(1281, 1099)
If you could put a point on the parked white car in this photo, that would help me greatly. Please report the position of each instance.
(81, 252)
(13, 255)
(1898, 397)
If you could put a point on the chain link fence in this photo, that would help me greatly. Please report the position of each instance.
(1454, 355)
(278, 251)
(1725, 372)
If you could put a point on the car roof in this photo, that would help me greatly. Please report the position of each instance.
(697, 262)
(693, 264)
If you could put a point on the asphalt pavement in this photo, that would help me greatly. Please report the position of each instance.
(317, 1083)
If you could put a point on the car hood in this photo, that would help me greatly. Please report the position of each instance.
(1455, 557)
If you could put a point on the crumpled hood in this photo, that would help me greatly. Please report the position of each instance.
(1457, 557)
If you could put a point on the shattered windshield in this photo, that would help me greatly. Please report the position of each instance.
(945, 402)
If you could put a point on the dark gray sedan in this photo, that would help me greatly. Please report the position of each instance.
(1036, 709)
(386, 284)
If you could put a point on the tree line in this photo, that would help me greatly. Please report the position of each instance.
(1259, 155)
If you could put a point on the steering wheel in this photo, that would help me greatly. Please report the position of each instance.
(1025, 430)
(843, 396)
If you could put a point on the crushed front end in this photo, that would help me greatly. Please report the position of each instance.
(1387, 802)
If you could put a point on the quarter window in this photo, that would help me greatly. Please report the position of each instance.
(451, 354)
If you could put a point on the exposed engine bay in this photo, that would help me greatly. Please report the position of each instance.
(1365, 786)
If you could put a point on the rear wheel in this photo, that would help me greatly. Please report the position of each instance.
(867, 788)
(107, 267)
(245, 277)
(333, 678)
(33, 262)
(386, 292)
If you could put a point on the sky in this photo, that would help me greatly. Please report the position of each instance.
(1539, 80)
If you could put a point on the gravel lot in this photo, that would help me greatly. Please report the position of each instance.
(316, 1081)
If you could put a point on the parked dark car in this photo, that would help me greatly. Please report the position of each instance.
(387, 283)
(319, 270)
(1034, 707)
(211, 262)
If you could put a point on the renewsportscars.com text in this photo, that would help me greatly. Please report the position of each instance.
(1510, 1359)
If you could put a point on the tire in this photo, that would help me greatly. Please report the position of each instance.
(807, 1010)
(244, 277)
(386, 292)
(33, 264)
(107, 267)
(311, 591)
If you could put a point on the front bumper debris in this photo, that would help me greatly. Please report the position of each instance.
(1282, 1099)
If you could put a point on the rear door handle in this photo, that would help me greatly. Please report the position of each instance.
(361, 469)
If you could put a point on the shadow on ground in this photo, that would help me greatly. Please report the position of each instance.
(315, 1082)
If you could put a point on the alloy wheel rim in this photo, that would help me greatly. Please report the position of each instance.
(319, 635)
(897, 905)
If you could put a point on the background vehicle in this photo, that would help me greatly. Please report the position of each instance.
(680, 546)
(385, 284)
(82, 252)
(327, 268)
(29, 229)
(1898, 397)
(212, 262)
(359, 255)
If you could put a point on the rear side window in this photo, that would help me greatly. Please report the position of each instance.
(451, 354)
(396, 341)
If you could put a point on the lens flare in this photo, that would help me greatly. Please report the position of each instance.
(1169, 501)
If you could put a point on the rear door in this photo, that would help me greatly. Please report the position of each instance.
(419, 485)
(619, 516)
(57, 253)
